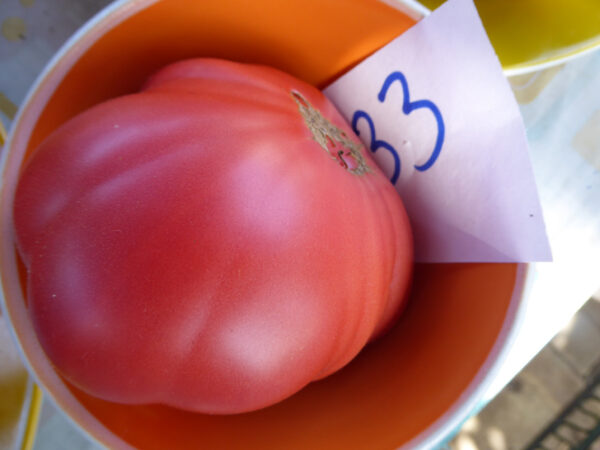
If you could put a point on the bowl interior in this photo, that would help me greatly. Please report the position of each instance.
(399, 386)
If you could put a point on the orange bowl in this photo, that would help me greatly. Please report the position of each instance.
(413, 386)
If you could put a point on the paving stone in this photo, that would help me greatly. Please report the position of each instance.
(582, 420)
(553, 443)
(570, 434)
(592, 406)
(554, 377)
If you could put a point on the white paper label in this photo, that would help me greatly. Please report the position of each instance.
(440, 118)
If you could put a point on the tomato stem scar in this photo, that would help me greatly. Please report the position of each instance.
(329, 136)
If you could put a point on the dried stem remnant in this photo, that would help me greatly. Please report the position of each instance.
(333, 140)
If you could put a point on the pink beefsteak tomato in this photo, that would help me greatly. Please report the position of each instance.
(214, 242)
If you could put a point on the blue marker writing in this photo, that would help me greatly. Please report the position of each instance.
(408, 107)
(376, 144)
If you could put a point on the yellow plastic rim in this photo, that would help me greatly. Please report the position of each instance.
(531, 35)
(33, 418)
(2, 134)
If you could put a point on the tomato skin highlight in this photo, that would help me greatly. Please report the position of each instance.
(196, 245)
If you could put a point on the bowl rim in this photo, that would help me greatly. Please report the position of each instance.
(560, 57)
(44, 87)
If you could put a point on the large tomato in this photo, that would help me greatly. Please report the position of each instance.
(214, 242)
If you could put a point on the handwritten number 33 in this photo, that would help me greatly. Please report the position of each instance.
(407, 108)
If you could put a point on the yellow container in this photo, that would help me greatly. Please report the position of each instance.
(20, 398)
(529, 35)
